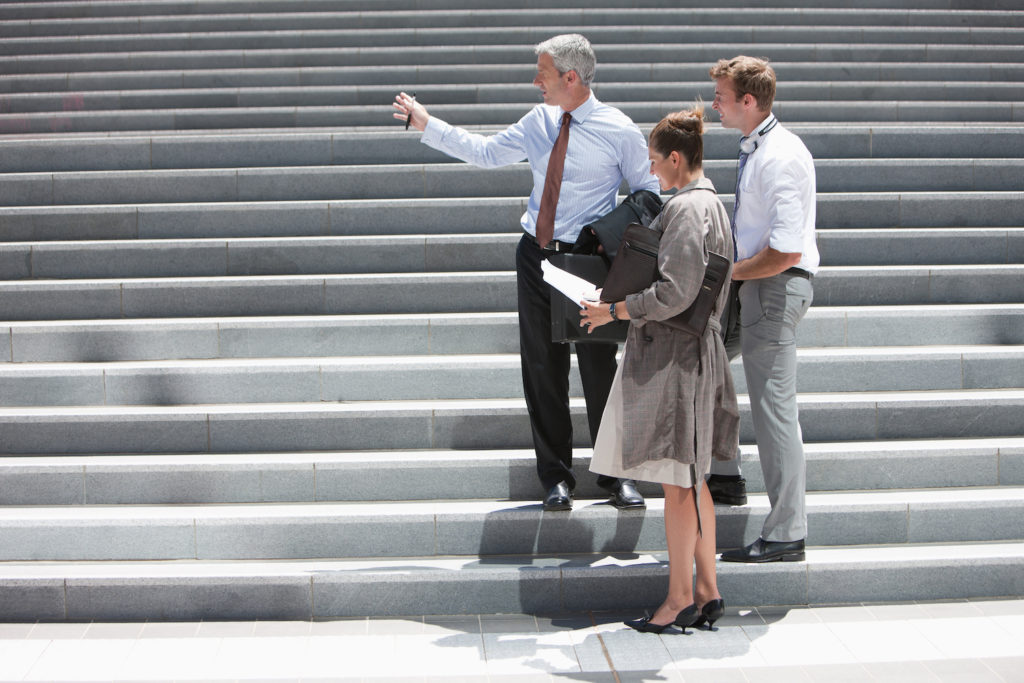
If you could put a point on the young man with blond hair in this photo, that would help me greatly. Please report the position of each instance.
(775, 262)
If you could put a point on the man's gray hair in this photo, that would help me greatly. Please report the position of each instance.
(570, 52)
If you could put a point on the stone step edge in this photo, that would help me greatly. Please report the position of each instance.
(464, 361)
(454, 276)
(436, 406)
(483, 316)
(299, 589)
(424, 457)
(843, 501)
(839, 128)
(417, 239)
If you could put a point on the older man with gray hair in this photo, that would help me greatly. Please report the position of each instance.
(579, 150)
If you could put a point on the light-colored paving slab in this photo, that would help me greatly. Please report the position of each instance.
(962, 640)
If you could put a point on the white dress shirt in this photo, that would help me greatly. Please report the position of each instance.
(605, 147)
(777, 198)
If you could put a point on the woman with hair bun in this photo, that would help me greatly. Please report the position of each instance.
(672, 406)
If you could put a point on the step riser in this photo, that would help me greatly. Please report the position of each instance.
(303, 480)
(324, 149)
(518, 74)
(353, 96)
(853, 111)
(522, 531)
(376, 381)
(149, 340)
(443, 254)
(522, 53)
(487, 588)
(457, 181)
(332, 427)
(458, 293)
(447, 216)
(523, 17)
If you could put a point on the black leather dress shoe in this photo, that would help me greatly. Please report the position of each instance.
(558, 497)
(625, 496)
(727, 490)
(767, 551)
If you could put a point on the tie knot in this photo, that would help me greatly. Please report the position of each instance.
(566, 118)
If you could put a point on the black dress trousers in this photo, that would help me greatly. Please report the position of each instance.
(545, 366)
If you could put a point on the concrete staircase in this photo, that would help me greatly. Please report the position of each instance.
(259, 346)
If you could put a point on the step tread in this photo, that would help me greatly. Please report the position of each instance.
(144, 571)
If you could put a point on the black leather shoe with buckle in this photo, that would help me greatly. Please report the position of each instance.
(727, 490)
(558, 498)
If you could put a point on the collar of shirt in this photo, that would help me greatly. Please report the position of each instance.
(580, 113)
(748, 143)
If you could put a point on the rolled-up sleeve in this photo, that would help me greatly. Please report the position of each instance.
(682, 260)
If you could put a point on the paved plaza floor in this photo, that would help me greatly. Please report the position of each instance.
(973, 641)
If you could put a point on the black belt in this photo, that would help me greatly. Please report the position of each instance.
(553, 246)
(799, 272)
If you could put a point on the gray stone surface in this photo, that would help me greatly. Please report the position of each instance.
(325, 336)
(49, 300)
(233, 220)
(518, 589)
(218, 384)
(42, 485)
(98, 539)
(105, 341)
(34, 600)
(85, 431)
(360, 534)
(21, 386)
(189, 599)
(129, 260)
(322, 430)
(181, 297)
(1011, 465)
(23, 224)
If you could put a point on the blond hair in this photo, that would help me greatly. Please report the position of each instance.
(749, 76)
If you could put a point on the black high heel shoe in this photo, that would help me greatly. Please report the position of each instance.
(684, 618)
(711, 612)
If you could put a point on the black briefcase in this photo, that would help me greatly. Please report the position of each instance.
(565, 314)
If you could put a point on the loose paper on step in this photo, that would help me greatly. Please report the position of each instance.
(573, 286)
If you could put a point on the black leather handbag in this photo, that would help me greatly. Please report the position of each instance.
(584, 261)
(636, 266)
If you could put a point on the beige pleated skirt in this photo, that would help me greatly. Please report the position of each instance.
(607, 458)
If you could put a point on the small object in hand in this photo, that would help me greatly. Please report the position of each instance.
(409, 119)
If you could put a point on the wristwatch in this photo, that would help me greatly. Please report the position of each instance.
(611, 310)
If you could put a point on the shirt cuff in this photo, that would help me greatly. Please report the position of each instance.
(434, 131)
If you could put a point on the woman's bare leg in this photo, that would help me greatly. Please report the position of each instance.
(707, 579)
(681, 534)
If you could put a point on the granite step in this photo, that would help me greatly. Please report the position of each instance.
(460, 333)
(481, 528)
(193, 590)
(450, 475)
(211, 257)
(427, 74)
(462, 424)
(402, 38)
(552, 17)
(119, 152)
(516, 54)
(148, 8)
(481, 376)
(464, 216)
(187, 119)
(460, 292)
(456, 181)
(470, 94)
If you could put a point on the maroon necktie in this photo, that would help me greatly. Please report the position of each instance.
(552, 184)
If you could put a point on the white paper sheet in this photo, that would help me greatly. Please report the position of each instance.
(573, 286)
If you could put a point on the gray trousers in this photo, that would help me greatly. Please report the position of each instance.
(770, 310)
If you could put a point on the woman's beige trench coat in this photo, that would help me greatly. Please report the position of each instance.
(677, 390)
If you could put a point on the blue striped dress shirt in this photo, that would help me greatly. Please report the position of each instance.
(605, 148)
